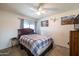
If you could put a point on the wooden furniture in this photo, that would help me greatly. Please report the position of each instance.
(30, 31)
(25, 31)
(74, 43)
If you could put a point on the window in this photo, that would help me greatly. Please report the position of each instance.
(26, 25)
(32, 26)
(29, 24)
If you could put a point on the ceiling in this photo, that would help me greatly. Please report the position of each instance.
(31, 9)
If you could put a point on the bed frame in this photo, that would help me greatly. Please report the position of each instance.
(26, 31)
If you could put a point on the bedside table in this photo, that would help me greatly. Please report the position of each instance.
(14, 41)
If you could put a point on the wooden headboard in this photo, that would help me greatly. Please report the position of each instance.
(25, 31)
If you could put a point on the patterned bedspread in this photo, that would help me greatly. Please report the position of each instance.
(35, 42)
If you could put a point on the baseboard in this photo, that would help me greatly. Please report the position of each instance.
(61, 46)
(8, 47)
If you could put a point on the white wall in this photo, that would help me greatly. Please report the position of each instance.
(9, 23)
(60, 33)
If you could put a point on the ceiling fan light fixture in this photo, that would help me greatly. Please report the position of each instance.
(43, 11)
(40, 9)
(38, 13)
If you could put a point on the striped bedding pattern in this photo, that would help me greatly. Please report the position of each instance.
(35, 42)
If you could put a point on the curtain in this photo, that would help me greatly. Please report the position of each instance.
(21, 23)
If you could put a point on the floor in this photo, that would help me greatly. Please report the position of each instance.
(16, 51)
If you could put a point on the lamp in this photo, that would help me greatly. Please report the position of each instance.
(40, 11)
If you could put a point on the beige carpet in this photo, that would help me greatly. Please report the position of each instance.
(16, 51)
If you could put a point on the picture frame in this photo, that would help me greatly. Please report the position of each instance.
(66, 20)
(76, 23)
(44, 23)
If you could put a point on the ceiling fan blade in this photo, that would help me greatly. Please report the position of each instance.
(41, 4)
(50, 8)
(38, 7)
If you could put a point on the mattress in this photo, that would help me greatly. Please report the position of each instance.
(35, 43)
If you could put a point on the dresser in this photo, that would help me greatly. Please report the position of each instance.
(74, 43)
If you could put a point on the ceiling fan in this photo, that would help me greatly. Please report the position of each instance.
(40, 5)
(40, 9)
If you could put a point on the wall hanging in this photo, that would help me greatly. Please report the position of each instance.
(44, 23)
(66, 20)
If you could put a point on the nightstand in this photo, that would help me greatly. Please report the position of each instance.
(14, 41)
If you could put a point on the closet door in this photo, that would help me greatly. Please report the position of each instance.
(74, 43)
(78, 44)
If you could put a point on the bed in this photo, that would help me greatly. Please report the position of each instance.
(34, 44)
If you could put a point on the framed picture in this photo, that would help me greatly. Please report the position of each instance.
(76, 23)
(44, 23)
(66, 20)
